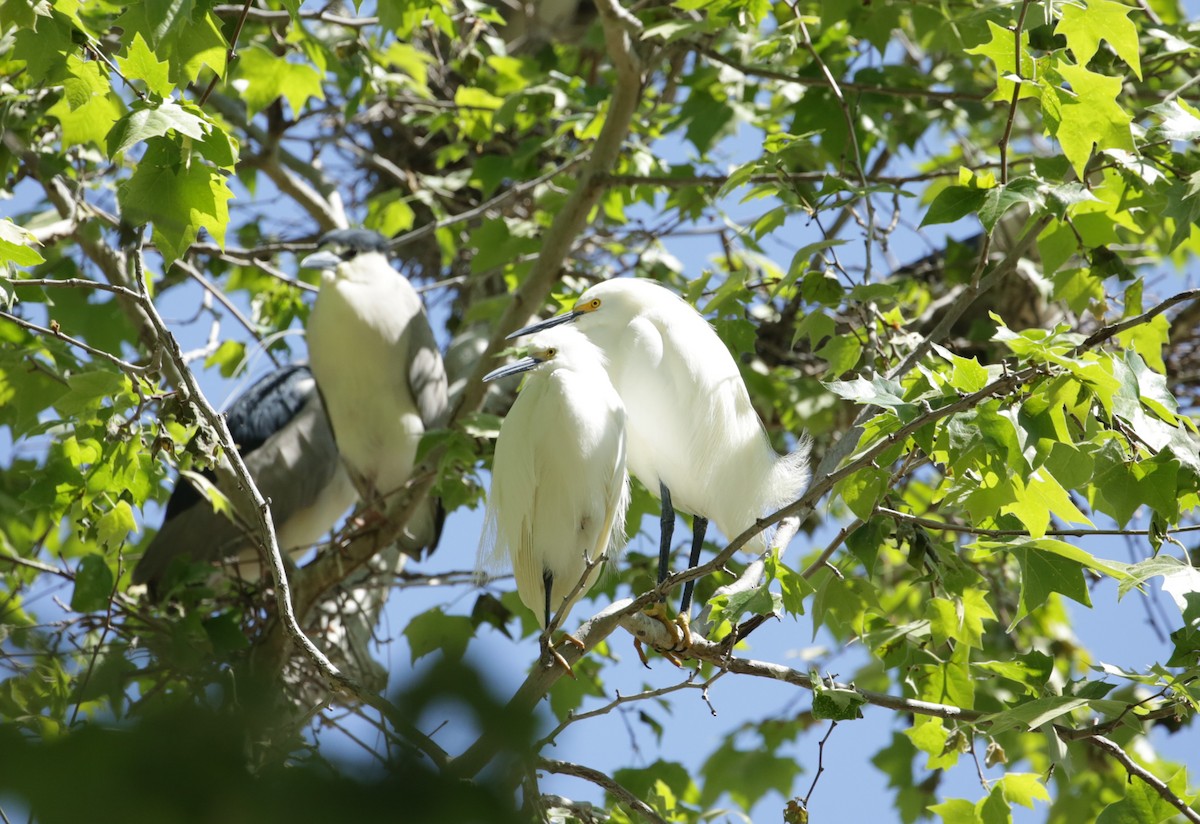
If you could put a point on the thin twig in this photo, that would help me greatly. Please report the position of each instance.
(124, 366)
(1016, 95)
(820, 762)
(76, 283)
(230, 55)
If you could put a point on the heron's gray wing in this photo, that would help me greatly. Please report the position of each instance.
(197, 532)
(427, 373)
(300, 473)
(297, 469)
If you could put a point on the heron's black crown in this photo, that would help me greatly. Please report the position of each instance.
(351, 242)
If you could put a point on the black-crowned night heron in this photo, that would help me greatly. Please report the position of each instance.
(559, 487)
(694, 437)
(379, 370)
(281, 430)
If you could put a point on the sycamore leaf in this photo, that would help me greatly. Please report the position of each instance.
(179, 199)
(146, 120)
(1001, 50)
(435, 630)
(1032, 714)
(1090, 115)
(1179, 122)
(16, 245)
(141, 64)
(269, 77)
(1044, 573)
(1141, 805)
(114, 526)
(1024, 789)
(953, 203)
(1038, 498)
(1102, 20)
(999, 200)
(93, 583)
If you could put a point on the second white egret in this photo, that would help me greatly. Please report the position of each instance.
(559, 486)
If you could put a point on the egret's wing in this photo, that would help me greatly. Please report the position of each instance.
(612, 537)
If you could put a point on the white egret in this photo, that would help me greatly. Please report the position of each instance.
(559, 486)
(694, 437)
(378, 368)
(280, 428)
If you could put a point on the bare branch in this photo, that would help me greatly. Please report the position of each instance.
(1133, 768)
(572, 216)
(601, 780)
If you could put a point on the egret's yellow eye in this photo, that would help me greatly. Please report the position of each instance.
(593, 304)
(551, 352)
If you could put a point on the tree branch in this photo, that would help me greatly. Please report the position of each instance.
(1133, 768)
(601, 780)
(572, 217)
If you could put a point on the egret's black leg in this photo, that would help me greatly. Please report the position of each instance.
(549, 653)
(699, 527)
(548, 584)
(667, 525)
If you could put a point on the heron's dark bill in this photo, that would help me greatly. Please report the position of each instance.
(514, 368)
(548, 323)
(321, 260)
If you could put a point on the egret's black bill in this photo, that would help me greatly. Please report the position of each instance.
(321, 260)
(548, 323)
(514, 368)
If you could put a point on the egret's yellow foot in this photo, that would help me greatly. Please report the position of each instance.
(683, 622)
(551, 656)
(573, 641)
(658, 612)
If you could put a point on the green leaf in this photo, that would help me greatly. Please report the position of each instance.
(1001, 50)
(16, 245)
(747, 775)
(1141, 805)
(93, 584)
(180, 199)
(269, 76)
(1180, 121)
(757, 601)
(842, 352)
(435, 630)
(1021, 190)
(114, 526)
(139, 63)
(1044, 573)
(87, 112)
(953, 203)
(832, 703)
(1024, 788)
(1090, 115)
(1040, 497)
(1102, 20)
(1032, 714)
(146, 120)
(165, 16)
(956, 811)
(960, 619)
(794, 587)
